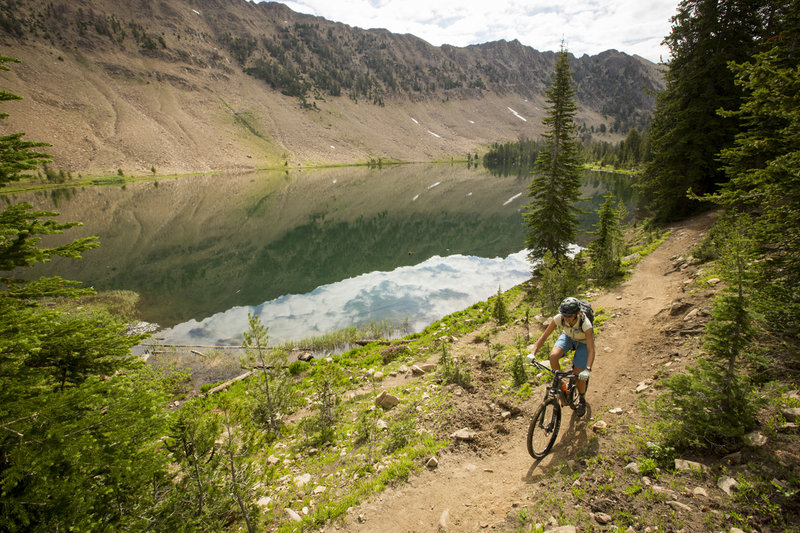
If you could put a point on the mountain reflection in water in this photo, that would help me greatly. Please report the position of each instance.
(309, 251)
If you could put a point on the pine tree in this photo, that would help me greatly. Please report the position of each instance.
(499, 311)
(551, 217)
(687, 132)
(16, 155)
(764, 166)
(607, 247)
(67, 427)
(274, 395)
(711, 405)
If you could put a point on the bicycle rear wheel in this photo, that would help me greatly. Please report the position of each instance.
(544, 427)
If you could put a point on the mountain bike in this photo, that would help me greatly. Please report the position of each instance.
(546, 421)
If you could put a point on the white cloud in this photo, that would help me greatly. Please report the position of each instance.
(586, 26)
(422, 293)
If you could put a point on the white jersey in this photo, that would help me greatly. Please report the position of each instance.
(576, 332)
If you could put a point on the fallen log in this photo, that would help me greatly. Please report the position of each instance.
(223, 386)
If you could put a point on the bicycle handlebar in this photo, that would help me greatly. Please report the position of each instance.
(561, 373)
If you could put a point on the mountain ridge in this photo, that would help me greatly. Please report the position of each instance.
(199, 85)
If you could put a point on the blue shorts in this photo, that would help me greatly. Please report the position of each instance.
(566, 343)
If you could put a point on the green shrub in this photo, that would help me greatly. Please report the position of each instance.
(401, 433)
(451, 370)
(298, 367)
(648, 467)
(664, 455)
(518, 372)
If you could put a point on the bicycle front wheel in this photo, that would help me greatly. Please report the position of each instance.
(544, 427)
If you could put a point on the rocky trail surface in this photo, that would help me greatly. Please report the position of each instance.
(476, 487)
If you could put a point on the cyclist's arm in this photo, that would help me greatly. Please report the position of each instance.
(547, 331)
(590, 346)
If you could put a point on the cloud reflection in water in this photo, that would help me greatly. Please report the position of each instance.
(422, 294)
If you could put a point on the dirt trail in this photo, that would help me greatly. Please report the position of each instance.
(475, 491)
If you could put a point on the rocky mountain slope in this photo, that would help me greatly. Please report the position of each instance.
(196, 85)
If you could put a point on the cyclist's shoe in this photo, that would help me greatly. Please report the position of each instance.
(580, 410)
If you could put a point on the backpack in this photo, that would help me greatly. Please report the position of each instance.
(586, 309)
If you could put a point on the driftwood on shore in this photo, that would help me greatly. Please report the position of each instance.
(223, 386)
(367, 341)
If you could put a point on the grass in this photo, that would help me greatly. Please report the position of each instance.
(119, 303)
(93, 180)
(346, 338)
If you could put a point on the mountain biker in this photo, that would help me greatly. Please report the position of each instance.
(577, 334)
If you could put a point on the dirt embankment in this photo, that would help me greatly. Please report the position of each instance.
(478, 485)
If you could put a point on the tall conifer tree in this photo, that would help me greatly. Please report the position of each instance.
(66, 428)
(687, 132)
(551, 216)
(764, 165)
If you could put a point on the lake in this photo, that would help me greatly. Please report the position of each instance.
(309, 251)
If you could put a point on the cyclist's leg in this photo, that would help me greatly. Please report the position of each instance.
(561, 347)
(579, 362)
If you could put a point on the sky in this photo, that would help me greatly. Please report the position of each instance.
(635, 27)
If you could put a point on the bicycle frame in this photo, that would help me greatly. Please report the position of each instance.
(555, 389)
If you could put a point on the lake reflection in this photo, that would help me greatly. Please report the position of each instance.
(309, 251)
(419, 294)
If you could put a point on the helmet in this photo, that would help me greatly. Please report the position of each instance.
(569, 306)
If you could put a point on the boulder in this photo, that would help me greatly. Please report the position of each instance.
(443, 520)
(658, 489)
(678, 506)
(735, 458)
(464, 434)
(755, 439)
(691, 314)
(688, 466)
(428, 367)
(417, 371)
(264, 501)
(791, 414)
(386, 400)
(292, 515)
(633, 467)
(727, 484)
(302, 480)
(679, 308)
(305, 357)
(602, 518)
